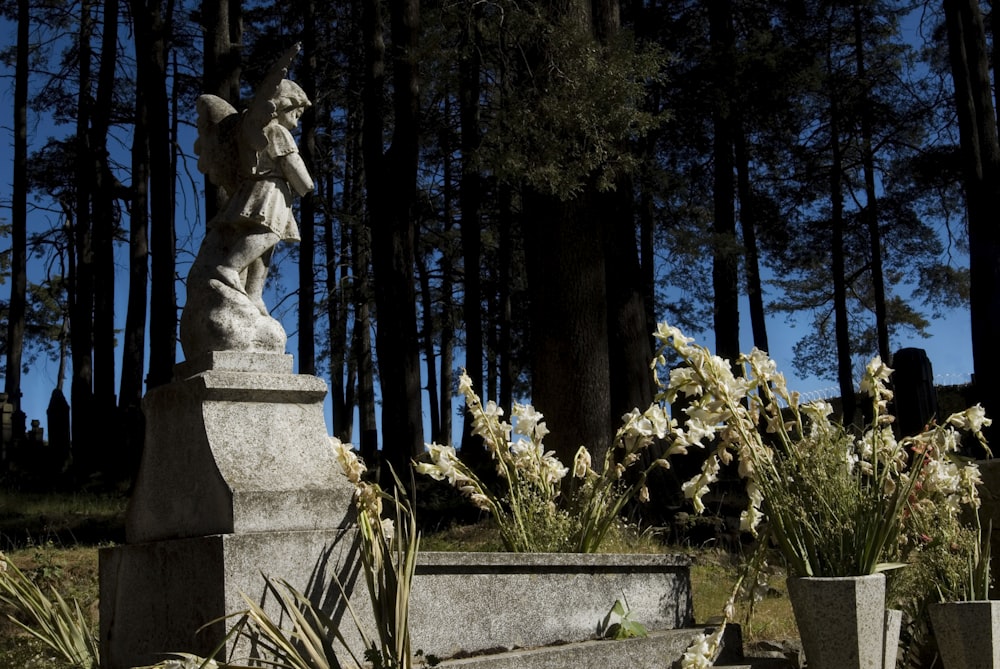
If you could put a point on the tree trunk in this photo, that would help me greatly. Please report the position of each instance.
(845, 372)
(427, 339)
(470, 202)
(222, 22)
(19, 216)
(391, 180)
(748, 224)
(725, 276)
(134, 339)
(163, 293)
(104, 226)
(981, 166)
(565, 259)
(870, 213)
(82, 290)
(307, 209)
(629, 348)
(362, 348)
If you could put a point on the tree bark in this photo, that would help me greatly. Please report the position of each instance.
(725, 270)
(82, 283)
(222, 22)
(307, 209)
(104, 227)
(845, 372)
(748, 224)
(391, 186)
(871, 213)
(19, 215)
(152, 65)
(565, 259)
(470, 202)
(981, 166)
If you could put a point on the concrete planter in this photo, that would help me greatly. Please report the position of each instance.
(967, 633)
(472, 602)
(841, 620)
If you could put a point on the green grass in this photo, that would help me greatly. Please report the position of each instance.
(54, 538)
(61, 519)
(713, 576)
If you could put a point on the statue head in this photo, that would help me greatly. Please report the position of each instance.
(290, 96)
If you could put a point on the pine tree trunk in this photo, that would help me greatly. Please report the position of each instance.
(19, 215)
(82, 283)
(981, 165)
(725, 277)
(307, 208)
(391, 182)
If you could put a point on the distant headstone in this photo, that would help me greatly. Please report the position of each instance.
(59, 434)
(915, 397)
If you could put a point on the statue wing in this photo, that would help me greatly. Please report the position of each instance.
(261, 109)
(216, 147)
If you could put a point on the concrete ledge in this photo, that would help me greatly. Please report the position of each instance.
(659, 650)
(235, 361)
(154, 596)
(467, 602)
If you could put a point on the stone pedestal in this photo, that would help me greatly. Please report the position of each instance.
(237, 480)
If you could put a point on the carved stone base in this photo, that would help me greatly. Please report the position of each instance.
(237, 479)
(236, 447)
(155, 597)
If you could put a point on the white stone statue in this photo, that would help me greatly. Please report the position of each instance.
(253, 159)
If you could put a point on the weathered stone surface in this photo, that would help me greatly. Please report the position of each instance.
(160, 592)
(156, 596)
(968, 634)
(841, 620)
(235, 452)
(475, 601)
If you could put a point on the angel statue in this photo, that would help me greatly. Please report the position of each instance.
(253, 159)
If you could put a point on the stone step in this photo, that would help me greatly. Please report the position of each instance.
(659, 650)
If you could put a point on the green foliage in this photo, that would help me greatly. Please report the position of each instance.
(624, 626)
(571, 108)
(59, 624)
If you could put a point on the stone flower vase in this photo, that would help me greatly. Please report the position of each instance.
(967, 633)
(841, 620)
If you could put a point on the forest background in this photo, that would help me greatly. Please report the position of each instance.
(531, 185)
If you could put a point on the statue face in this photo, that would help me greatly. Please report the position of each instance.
(290, 117)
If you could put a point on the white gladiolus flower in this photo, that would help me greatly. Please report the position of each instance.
(581, 463)
(529, 423)
(388, 529)
(351, 465)
(972, 419)
(702, 652)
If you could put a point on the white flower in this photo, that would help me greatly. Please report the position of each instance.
(352, 466)
(529, 422)
(581, 463)
(751, 517)
(702, 652)
(684, 380)
(388, 529)
(697, 487)
(875, 377)
(972, 419)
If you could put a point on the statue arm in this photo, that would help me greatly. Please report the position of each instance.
(294, 169)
